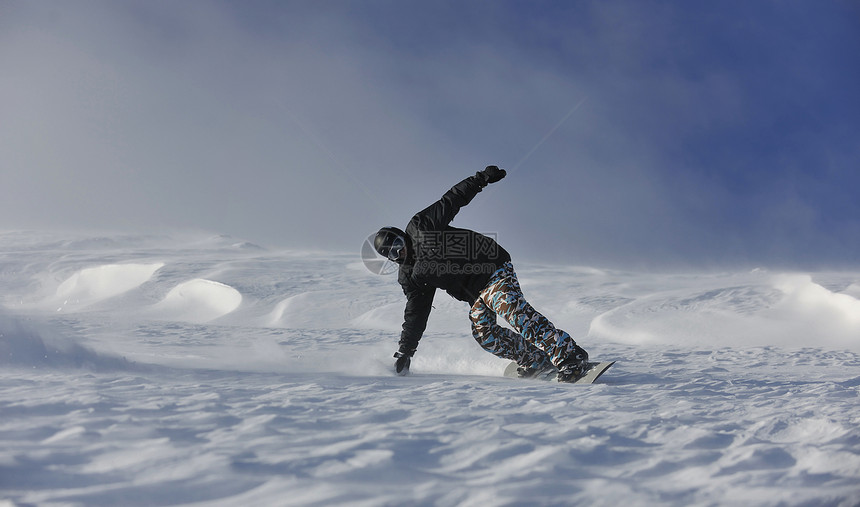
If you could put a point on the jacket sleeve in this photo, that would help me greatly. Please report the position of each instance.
(439, 214)
(419, 302)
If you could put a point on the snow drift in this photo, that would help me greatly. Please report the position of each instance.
(198, 301)
(91, 285)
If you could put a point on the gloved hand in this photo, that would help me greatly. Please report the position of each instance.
(491, 174)
(404, 359)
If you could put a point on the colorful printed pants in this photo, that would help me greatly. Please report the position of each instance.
(536, 341)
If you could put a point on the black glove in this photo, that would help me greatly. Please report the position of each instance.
(404, 359)
(491, 174)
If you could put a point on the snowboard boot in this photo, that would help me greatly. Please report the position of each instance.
(537, 369)
(574, 365)
(530, 372)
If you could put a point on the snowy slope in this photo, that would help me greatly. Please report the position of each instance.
(158, 371)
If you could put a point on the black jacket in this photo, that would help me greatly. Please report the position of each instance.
(459, 261)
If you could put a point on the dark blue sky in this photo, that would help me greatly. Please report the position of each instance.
(638, 133)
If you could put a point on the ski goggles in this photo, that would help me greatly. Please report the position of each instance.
(397, 250)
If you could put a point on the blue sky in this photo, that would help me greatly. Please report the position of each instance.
(638, 134)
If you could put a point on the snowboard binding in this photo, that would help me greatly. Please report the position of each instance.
(575, 366)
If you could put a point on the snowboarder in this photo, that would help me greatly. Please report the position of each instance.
(473, 268)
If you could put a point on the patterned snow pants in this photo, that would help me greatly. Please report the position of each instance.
(536, 341)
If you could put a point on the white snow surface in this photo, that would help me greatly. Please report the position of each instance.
(173, 371)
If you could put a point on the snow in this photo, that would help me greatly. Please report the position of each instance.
(198, 300)
(207, 372)
(91, 285)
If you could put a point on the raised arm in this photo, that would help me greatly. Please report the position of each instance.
(439, 214)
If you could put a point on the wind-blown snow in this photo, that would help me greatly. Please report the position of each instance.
(180, 372)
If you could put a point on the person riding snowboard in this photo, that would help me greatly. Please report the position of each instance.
(473, 268)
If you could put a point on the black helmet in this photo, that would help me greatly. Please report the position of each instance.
(388, 238)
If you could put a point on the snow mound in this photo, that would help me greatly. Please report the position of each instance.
(449, 316)
(323, 309)
(385, 318)
(226, 242)
(815, 311)
(305, 310)
(853, 290)
(808, 297)
(789, 310)
(91, 285)
(198, 301)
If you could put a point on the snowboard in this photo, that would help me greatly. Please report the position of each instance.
(594, 371)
